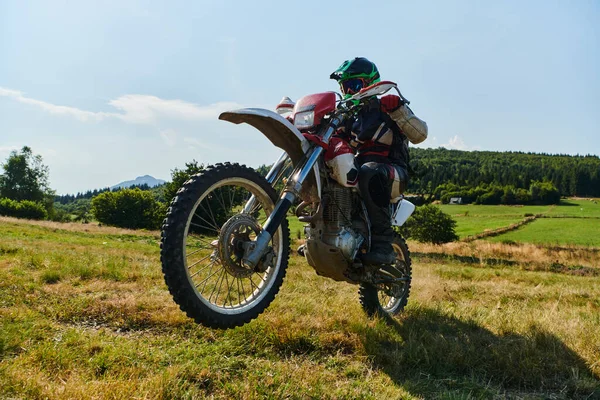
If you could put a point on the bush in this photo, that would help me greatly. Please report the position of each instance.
(544, 193)
(22, 209)
(429, 224)
(60, 215)
(522, 196)
(129, 208)
(492, 196)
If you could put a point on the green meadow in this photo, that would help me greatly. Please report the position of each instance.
(85, 313)
(572, 222)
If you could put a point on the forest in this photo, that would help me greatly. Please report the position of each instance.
(571, 175)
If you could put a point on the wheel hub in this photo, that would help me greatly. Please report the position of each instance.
(234, 234)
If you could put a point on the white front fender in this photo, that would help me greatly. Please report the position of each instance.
(282, 134)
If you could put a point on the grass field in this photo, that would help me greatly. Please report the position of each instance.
(557, 231)
(577, 222)
(474, 219)
(577, 208)
(84, 313)
(474, 210)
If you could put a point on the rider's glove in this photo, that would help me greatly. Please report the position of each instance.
(390, 103)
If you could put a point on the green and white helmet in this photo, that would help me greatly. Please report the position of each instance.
(353, 75)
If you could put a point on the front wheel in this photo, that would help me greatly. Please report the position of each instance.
(389, 294)
(211, 220)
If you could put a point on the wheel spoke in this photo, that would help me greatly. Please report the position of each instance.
(202, 240)
(243, 290)
(194, 252)
(199, 261)
(252, 284)
(220, 278)
(237, 280)
(212, 227)
(211, 215)
(222, 202)
(260, 276)
(205, 281)
(231, 198)
(228, 291)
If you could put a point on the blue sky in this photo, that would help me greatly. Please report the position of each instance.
(110, 90)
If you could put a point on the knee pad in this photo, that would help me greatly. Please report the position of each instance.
(374, 181)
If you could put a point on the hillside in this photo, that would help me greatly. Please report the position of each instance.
(572, 175)
(139, 181)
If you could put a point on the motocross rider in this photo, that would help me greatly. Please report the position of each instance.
(379, 133)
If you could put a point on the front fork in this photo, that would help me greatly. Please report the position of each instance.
(257, 248)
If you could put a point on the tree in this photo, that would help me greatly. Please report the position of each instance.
(178, 178)
(128, 208)
(430, 224)
(25, 177)
(22, 209)
(571, 175)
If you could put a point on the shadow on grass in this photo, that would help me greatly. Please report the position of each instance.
(568, 204)
(429, 352)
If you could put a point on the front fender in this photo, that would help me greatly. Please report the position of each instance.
(283, 135)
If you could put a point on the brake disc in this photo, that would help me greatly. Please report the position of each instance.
(234, 234)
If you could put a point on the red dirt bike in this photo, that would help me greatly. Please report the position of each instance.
(225, 240)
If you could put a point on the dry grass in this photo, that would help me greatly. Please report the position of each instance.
(91, 228)
(106, 327)
(519, 254)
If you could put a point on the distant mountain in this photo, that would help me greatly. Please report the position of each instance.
(140, 180)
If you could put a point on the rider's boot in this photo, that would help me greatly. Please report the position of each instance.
(381, 252)
(375, 187)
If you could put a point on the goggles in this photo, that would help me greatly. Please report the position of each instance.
(352, 86)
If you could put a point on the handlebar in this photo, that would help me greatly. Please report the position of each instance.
(357, 100)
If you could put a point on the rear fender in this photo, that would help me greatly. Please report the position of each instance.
(283, 135)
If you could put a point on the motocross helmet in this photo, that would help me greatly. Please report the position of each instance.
(353, 75)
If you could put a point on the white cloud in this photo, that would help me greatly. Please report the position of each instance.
(169, 136)
(53, 108)
(454, 143)
(457, 143)
(143, 109)
(194, 143)
(134, 108)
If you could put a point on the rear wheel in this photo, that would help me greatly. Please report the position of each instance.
(208, 225)
(389, 295)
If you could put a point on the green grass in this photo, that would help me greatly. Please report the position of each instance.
(87, 314)
(472, 225)
(474, 219)
(484, 211)
(577, 208)
(296, 228)
(559, 231)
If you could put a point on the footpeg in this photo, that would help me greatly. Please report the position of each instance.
(302, 250)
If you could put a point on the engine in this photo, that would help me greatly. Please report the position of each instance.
(338, 210)
(338, 229)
